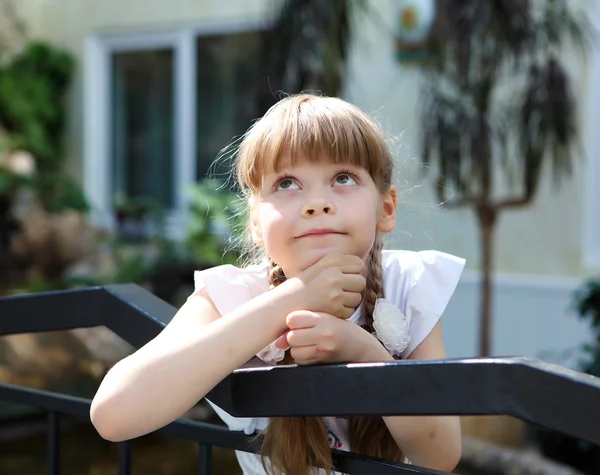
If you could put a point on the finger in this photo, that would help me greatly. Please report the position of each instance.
(304, 355)
(352, 265)
(347, 312)
(308, 362)
(351, 299)
(353, 283)
(282, 342)
(353, 269)
(347, 264)
(302, 337)
(301, 319)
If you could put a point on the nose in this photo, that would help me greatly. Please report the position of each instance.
(317, 207)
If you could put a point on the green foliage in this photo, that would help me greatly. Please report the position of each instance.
(587, 305)
(58, 192)
(216, 221)
(472, 126)
(579, 453)
(307, 46)
(9, 181)
(138, 206)
(33, 93)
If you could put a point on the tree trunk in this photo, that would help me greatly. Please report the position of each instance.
(487, 222)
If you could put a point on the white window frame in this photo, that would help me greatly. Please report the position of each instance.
(591, 245)
(97, 109)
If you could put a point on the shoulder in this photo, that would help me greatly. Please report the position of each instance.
(417, 277)
(252, 275)
(401, 261)
(229, 286)
(421, 285)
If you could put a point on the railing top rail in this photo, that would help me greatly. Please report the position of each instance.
(529, 389)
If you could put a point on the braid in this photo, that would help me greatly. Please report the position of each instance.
(374, 284)
(369, 435)
(276, 274)
(307, 435)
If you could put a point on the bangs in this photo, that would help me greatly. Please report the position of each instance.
(307, 128)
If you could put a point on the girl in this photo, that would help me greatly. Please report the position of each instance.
(317, 176)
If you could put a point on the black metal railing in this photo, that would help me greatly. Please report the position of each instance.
(527, 389)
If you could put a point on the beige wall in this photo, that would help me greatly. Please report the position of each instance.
(68, 23)
(380, 85)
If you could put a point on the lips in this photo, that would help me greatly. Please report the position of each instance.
(319, 232)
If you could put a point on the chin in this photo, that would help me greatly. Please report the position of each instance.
(313, 256)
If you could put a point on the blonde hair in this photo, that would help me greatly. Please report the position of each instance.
(309, 127)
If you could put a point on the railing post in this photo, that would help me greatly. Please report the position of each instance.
(204, 459)
(53, 444)
(125, 457)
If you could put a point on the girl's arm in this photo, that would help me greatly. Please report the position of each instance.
(166, 377)
(198, 349)
(429, 441)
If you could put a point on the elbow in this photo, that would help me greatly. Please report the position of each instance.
(451, 448)
(450, 459)
(453, 458)
(106, 423)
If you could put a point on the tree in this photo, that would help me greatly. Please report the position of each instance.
(474, 132)
(307, 47)
(498, 107)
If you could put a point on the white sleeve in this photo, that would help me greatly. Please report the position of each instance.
(248, 425)
(421, 285)
(225, 285)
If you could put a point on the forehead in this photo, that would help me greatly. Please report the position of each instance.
(287, 162)
(306, 156)
(311, 132)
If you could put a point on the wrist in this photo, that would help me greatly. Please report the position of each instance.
(293, 293)
(288, 297)
(373, 351)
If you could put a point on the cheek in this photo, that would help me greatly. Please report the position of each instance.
(365, 211)
(270, 217)
(272, 224)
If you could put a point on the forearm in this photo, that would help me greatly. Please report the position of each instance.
(429, 441)
(162, 380)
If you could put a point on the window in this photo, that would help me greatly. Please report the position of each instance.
(142, 149)
(227, 88)
(159, 108)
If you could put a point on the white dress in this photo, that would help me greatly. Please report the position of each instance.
(418, 284)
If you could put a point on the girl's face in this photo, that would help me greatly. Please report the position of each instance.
(309, 210)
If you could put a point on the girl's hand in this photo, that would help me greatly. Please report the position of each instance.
(333, 285)
(324, 338)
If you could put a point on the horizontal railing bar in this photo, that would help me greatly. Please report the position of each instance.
(45, 400)
(348, 462)
(524, 388)
(200, 432)
(52, 311)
